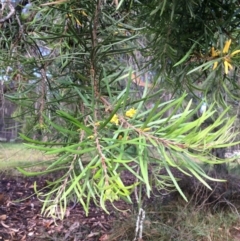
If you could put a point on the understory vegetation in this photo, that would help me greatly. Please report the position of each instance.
(179, 221)
(167, 216)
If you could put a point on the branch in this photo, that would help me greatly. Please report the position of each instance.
(10, 14)
(94, 44)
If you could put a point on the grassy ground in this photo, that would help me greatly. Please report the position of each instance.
(16, 154)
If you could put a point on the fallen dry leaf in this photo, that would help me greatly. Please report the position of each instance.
(4, 225)
(3, 217)
(104, 237)
(93, 235)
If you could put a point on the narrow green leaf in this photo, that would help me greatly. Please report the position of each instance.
(186, 56)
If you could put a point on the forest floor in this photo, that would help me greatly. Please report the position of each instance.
(21, 218)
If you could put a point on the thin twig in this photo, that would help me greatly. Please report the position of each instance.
(99, 149)
(10, 14)
(139, 225)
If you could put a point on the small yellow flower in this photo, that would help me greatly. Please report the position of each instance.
(130, 113)
(90, 137)
(226, 58)
(97, 123)
(214, 53)
(74, 18)
(115, 120)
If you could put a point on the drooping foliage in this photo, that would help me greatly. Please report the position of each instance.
(96, 85)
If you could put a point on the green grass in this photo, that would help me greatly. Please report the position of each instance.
(16, 154)
(181, 222)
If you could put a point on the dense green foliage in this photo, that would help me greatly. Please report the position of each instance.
(104, 84)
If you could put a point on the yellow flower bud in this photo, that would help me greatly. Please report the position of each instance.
(235, 52)
(146, 129)
(227, 66)
(83, 13)
(130, 113)
(226, 46)
(215, 65)
(97, 123)
(115, 120)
